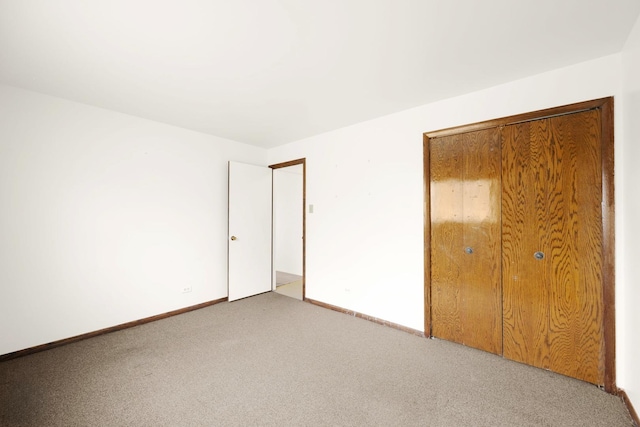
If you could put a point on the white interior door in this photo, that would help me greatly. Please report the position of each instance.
(249, 237)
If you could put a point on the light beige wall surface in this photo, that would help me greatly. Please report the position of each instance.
(105, 217)
(628, 233)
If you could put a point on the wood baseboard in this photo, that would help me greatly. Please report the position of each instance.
(54, 344)
(627, 402)
(365, 317)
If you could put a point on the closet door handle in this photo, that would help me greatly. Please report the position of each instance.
(468, 250)
(538, 255)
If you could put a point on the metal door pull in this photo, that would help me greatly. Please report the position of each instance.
(539, 255)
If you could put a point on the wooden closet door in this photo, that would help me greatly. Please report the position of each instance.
(552, 244)
(466, 304)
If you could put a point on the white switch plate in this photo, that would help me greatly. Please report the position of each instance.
(186, 289)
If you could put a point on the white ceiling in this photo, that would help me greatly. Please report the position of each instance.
(268, 72)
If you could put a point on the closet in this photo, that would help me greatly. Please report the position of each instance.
(517, 238)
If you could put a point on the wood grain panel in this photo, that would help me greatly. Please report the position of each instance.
(481, 272)
(608, 244)
(551, 203)
(528, 332)
(446, 155)
(575, 326)
(525, 303)
(465, 213)
(601, 103)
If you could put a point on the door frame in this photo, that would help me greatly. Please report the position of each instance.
(303, 162)
(605, 105)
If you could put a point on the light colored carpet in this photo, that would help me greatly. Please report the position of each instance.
(270, 360)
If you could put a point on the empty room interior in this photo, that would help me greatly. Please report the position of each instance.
(440, 176)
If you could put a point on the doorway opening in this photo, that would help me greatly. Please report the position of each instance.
(289, 221)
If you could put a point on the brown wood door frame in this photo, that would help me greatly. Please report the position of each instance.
(605, 105)
(303, 162)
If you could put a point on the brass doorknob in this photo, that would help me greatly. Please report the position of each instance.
(234, 238)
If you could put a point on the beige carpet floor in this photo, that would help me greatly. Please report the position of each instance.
(270, 360)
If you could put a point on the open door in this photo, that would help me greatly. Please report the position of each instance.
(249, 243)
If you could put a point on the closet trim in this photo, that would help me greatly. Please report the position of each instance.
(605, 105)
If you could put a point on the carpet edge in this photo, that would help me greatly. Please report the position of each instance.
(627, 402)
(365, 317)
(65, 341)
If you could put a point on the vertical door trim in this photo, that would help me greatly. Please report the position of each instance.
(427, 235)
(608, 244)
(303, 162)
(605, 105)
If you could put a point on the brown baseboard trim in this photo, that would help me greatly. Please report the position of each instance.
(365, 317)
(627, 402)
(54, 344)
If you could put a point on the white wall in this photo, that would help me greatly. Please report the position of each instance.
(287, 210)
(105, 217)
(365, 237)
(628, 236)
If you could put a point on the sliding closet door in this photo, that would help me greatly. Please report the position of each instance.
(552, 244)
(466, 305)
